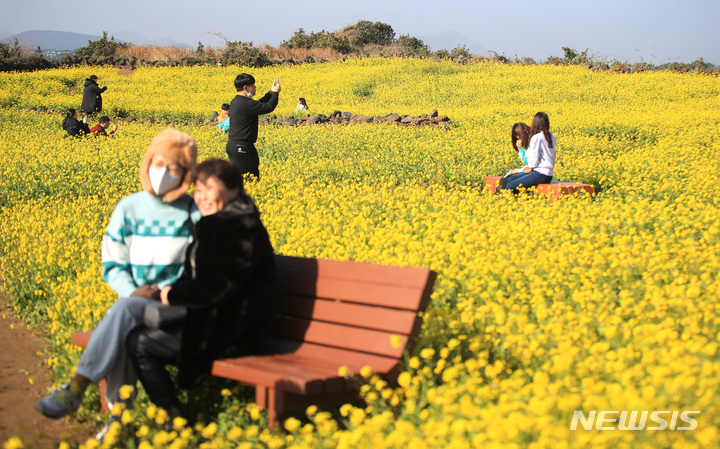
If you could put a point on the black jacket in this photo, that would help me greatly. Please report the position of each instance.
(75, 128)
(228, 287)
(244, 114)
(92, 100)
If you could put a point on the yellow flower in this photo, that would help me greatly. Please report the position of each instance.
(366, 371)
(125, 392)
(292, 425)
(234, 433)
(395, 340)
(404, 379)
(14, 442)
(209, 430)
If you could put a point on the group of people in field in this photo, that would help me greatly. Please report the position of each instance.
(208, 255)
(91, 105)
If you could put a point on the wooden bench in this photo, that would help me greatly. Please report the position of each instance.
(554, 190)
(329, 314)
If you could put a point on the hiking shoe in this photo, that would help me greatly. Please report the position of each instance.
(59, 403)
(104, 431)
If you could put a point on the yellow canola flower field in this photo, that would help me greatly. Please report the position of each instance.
(541, 308)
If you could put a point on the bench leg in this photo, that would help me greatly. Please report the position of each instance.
(276, 406)
(272, 400)
(103, 400)
(261, 397)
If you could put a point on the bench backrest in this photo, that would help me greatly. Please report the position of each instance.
(348, 312)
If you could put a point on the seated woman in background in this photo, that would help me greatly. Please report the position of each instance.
(540, 157)
(520, 138)
(227, 287)
(302, 105)
(224, 118)
(73, 126)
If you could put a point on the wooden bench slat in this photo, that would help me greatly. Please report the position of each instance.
(297, 375)
(322, 269)
(402, 322)
(352, 359)
(81, 339)
(354, 291)
(339, 336)
(294, 380)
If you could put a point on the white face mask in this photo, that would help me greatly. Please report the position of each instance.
(162, 181)
(249, 95)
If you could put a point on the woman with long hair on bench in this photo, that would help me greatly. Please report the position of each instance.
(540, 157)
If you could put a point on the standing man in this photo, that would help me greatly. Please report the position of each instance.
(244, 112)
(92, 98)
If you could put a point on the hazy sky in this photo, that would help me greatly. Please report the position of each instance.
(655, 31)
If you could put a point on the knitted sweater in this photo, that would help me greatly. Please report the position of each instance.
(145, 242)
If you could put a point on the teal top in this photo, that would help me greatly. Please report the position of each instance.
(523, 157)
(145, 242)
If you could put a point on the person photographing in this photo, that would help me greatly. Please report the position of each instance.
(244, 113)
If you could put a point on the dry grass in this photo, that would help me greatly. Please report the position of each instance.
(284, 53)
(154, 53)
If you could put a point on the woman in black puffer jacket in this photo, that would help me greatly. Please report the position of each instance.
(73, 126)
(227, 286)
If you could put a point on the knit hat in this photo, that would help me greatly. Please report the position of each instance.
(180, 149)
(92, 77)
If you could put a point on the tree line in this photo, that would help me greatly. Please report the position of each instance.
(362, 39)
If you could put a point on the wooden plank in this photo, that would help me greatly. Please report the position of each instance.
(333, 356)
(244, 370)
(298, 375)
(410, 277)
(353, 291)
(81, 339)
(370, 317)
(339, 336)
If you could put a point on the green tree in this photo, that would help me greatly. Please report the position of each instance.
(100, 48)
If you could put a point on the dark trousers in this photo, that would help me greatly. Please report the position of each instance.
(245, 155)
(150, 351)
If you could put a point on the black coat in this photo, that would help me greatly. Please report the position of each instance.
(75, 128)
(92, 100)
(228, 287)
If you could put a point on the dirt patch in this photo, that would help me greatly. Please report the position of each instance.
(24, 379)
(126, 72)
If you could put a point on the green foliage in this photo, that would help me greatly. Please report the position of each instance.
(243, 53)
(322, 39)
(368, 33)
(414, 45)
(101, 48)
(460, 51)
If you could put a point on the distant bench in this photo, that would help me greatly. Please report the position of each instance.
(554, 189)
(329, 314)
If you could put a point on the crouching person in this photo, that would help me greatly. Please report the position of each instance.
(227, 288)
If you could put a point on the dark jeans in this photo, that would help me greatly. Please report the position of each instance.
(245, 155)
(526, 180)
(150, 350)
